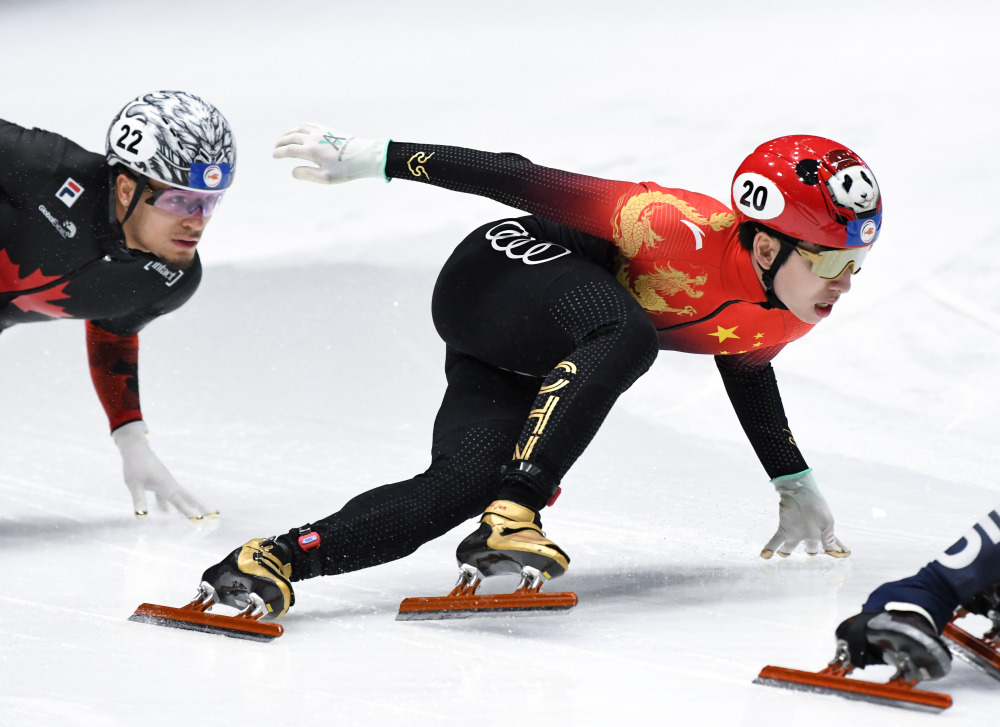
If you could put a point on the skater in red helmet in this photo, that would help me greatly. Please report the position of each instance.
(549, 317)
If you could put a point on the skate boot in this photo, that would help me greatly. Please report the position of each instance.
(262, 567)
(904, 637)
(510, 539)
(982, 652)
(986, 603)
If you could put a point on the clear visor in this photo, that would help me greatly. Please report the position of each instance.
(830, 264)
(184, 202)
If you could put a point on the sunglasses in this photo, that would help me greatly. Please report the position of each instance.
(830, 264)
(184, 202)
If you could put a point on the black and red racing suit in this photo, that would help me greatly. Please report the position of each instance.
(547, 319)
(63, 255)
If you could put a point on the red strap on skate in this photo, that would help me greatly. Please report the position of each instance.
(308, 541)
(552, 500)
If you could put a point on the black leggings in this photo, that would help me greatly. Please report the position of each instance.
(541, 341)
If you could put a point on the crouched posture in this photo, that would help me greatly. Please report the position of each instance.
(111, 239)
(548, 318)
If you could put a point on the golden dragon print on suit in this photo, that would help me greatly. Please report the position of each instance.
(651, 289)
(637, 219)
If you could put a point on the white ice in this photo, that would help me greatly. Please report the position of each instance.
(306, 369)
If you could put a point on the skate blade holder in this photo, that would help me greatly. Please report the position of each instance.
(195, 617)
(464, 602)
(979, 652)
(897, 692)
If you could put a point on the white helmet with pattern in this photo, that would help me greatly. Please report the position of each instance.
(175, 138)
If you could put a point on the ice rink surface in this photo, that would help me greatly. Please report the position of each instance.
(306, 369)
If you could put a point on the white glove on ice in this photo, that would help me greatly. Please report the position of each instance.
(339, 157)
(144, 471)
(803, 516)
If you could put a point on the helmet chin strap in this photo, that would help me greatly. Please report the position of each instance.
(140, 185)
(767, 276)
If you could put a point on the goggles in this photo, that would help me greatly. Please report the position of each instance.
(830, 264)
(184, 202)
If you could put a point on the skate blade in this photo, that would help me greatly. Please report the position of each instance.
(442, 607)
(895, 693)
(976, 652)
(191, 618)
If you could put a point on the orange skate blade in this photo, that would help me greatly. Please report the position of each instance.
(980, 653)
(440, 607)
(463, 602)
(193, 617)
(896, 693)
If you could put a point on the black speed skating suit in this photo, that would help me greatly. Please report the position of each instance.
(542, 337)
(503, 342)
(63, 255)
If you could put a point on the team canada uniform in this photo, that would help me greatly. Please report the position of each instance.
(547, 319)
(63, 255)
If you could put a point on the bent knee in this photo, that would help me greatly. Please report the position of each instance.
(628, 343)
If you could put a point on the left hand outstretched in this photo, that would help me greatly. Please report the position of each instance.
(338, 156)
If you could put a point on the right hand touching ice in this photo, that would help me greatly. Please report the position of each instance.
(144, 472)
(803, 517)
(338, 157)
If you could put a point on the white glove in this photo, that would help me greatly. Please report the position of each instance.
(144, 471)
(339, 157)
(803, 516)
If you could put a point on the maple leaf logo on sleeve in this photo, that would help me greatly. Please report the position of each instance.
(40, 301)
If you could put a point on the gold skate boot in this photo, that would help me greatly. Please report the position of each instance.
(510, 539)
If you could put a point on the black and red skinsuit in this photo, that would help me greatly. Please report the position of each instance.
(63, 255)
(547, 319)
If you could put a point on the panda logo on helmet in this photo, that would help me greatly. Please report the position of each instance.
(852, 184)
(810, 188)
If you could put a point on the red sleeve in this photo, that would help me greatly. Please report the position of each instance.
(114, 369)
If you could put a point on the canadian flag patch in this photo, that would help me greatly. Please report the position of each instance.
(70, 192)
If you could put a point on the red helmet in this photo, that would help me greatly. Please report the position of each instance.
(812, 189)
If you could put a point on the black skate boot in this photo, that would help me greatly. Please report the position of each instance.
(510, 539)
(263, 567)
(906, 639)
(982, 652)
(986, 603)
